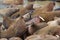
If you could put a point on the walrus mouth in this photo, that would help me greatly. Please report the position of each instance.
(42, 18)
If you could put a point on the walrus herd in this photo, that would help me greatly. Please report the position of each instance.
(27, 23)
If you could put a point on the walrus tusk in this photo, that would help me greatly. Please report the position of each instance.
(57, 36)
(42, 18)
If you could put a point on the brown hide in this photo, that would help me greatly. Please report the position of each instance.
(48, 16)
(17, 28)
(41, 37)
(34, 27)
(23, 10)
(7, 22)
(51, 30)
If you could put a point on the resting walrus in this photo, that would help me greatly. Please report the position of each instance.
(17, 28)
(52, 28)
(41, 37)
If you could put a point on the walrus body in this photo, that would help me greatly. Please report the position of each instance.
(8, 11)
(52, 28)
(23, 10)
(17, 28)
(48, 16)
(41, 37)
(33, 28)
(7, 22)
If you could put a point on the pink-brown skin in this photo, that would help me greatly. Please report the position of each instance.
(31, 28)
(34, 20)
(35, 24)
(35, 27)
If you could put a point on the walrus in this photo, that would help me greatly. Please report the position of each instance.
(50, 30)
(33, 28)
(18, 28)
(7, 21)
(48, 7)
(55, 22)
(41, 37)
(47, 16)
(8, 11)
(23, 11)
(46, 13)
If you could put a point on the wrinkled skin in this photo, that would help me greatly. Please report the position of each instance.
(33, 28)
(35, 24)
